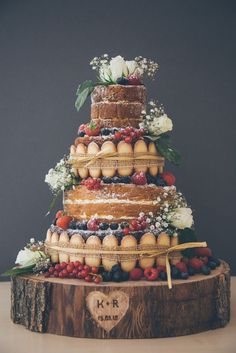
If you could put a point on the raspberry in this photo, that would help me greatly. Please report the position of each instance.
(93, 225)
(128, 139)
(134, 80)
(181, 266)
(151, 273)
(195, 263)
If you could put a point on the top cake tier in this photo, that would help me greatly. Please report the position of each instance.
(118, 105)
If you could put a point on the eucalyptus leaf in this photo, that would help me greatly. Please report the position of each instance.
(19, 270)
(83, 91)
(187, 235)
(164, 148)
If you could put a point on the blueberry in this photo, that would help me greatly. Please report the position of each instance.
(217, 261)
(122, 81)
(124, 225)
(84, 225)
(151, 179)
(124, 276)
(191, 271)
(103, 226)
(117, 276)
(115, 268)
(116, 180)
(212, 265)
(81, 133)
(107, 180)
(114, 226)
(184, 275)
(105, 131)
(160, 181)
(73, 225)
(175, 273)
(205, 270)
(125, 180)
(106, 276)
(163, 276)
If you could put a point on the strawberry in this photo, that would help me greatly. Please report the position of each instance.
(59, 214)
(195, 263)
(203, 252)
(169, 178)
(139, 178)
(63, 222)
(151, 273)
(181, 266)
(92, 129)
(136, 274)
(118, 135)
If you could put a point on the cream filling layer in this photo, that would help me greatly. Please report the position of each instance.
(110, 201)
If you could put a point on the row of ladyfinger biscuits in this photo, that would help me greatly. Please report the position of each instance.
(122, 148)
(110, 242)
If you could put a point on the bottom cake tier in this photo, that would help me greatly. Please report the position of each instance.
(138, 309)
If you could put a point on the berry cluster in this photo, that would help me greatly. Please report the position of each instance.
(129, 134)
(92, 183)
(74, 270)
(116, 275)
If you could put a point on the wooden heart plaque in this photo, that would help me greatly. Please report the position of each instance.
(107, 309)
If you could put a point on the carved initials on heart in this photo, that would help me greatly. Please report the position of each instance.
(107, 310)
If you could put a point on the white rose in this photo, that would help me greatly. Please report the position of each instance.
(105, 73)
(28, 257)
(181, 218)
(132, 66)
(118, 67)
(160, 125)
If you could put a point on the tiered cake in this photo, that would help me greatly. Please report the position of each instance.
(124, 229)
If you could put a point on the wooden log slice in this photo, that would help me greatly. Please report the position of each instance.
(130, 309)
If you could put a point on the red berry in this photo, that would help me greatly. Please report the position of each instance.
(59, 214)
(128, 139)
(70, 268)
(80, 267)
(169, 178)
(87, 268)
(97, 279)
(139, 178)
(63, 265)
(58, 267)
(71, 275)
(46, 274)
(61, 275)
(75, 272)
(65, 272)
(134, 224)
(143, 225)
(126, 231)
(94, 269)
(181, 266)
(117, 135)
(203, 252)
(136, 274)
(77, 263)
(63, 222)
(92, 183)
(134, 80)
(51, 270)
(93, 225)
(83, 273)
(79, 275)
(195, 263)
(82, 127)
(88, 278)
(151, 273)
(55, 273)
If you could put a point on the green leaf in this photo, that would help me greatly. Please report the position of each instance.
(53, 202)
(164, 148)
(83, 91)
(187, 235)
(18, 270)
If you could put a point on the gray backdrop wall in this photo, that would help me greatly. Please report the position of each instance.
(45, 48)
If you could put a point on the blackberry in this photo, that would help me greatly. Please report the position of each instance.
(124, 225)
(217, 261)
(116, 180)
(107, 180)
(114, 226)
(105, 131)
(125, 180)
(103, 226)
(84, 225)
(205, 270)
(73, 225)
(122, 81)
(212, 265)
